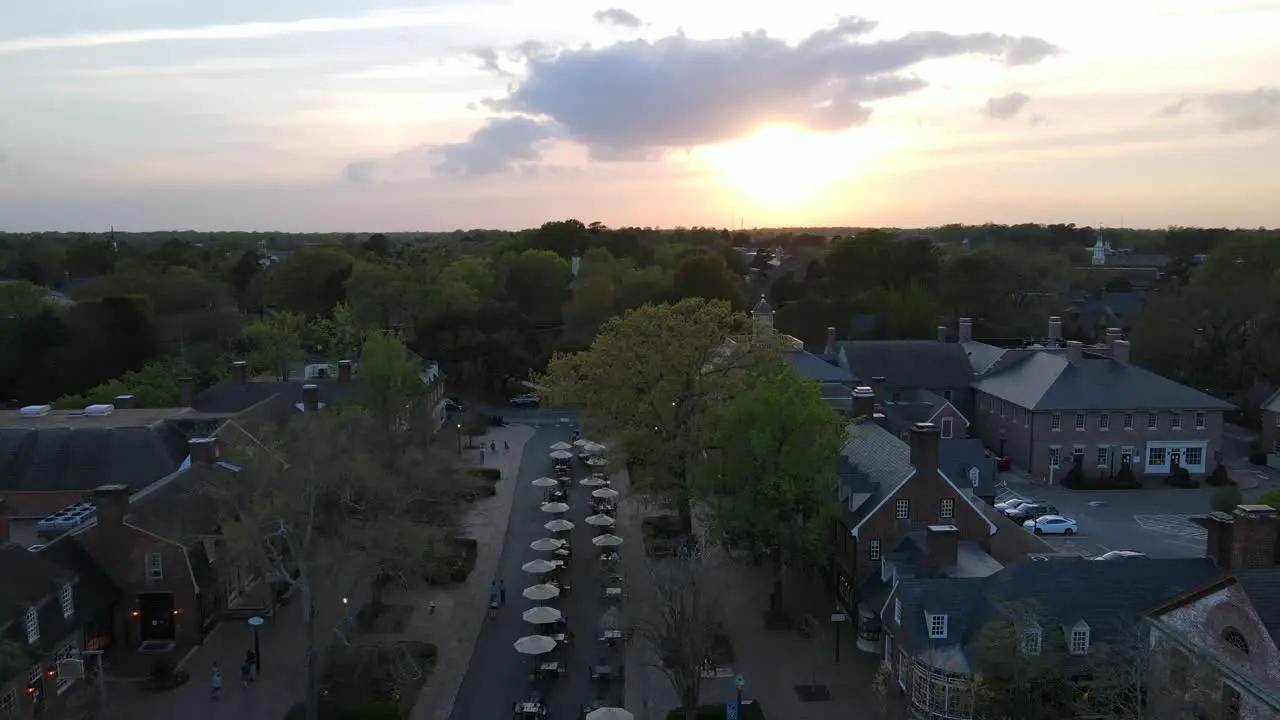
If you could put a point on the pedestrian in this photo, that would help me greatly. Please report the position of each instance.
(246, 672)
(506, 447)
(215, 682)
(502, 591)
(482, 456)
(493, 447)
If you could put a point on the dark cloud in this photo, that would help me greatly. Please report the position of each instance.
(1007, 106)
(617, 16)
(500, 145)
(1243, 111)
(1175, 109)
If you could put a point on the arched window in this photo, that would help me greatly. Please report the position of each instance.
(1236, 639)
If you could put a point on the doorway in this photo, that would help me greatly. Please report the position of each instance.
(155, 613)
(1175, 458)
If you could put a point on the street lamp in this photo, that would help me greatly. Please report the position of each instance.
(1001, 453)
(256, 622)
(459, 438)
(739, 682)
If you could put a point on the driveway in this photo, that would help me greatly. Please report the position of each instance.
(497, 676)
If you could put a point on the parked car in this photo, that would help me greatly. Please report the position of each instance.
(1052, 525)
(1030, 511)
(1117, 554)
(1011, 504)
(525, 401)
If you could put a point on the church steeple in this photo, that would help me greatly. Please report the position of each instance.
(762, 318)
(1100, 251)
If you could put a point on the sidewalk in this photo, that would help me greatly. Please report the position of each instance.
(456, 623)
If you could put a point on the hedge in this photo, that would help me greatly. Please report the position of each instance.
(750, 710)
(331, 711)
(1181, 478)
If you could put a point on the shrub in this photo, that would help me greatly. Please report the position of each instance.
(487, 473)
(1075, 479)
(664, 527)
(1272, 498)
(1181, 478)
(750, 710)
(458, 566)
(1219, 477)
(1226, 498)
(1126, 478)
(1257, 457)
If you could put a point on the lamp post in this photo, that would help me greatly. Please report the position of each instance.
(459, 438)
(739, 682)
(1001, 453)
(256, 622)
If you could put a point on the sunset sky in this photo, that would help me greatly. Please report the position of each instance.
(363, 115)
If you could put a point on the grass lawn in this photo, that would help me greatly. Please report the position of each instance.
(383, 620)
(459, 566)
(373, 681)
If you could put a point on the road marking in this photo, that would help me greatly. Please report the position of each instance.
(1180, 525)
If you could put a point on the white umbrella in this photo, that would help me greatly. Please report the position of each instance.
(581, 441)
(605, 493)
(600, 520)
(541, 592)
(546, 544)
(562, 446)
(535, 645)
(545, 482)
(606, 541)
(594, 482)
(541, 615)
(594, 448)
(538, 566)
(562, 455)
(597, 461)
(555, 508)
(559, 525)
(610, 713)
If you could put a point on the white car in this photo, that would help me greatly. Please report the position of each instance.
(1011, 504)
(1052, 525)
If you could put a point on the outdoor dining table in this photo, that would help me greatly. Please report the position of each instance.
(551, 668)
(530, 709)
(610, 636)
(562, 638)
(610, 592)
(602, 672)
(565, 553)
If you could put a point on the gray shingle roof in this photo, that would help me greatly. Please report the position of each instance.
(1263, 589)
(231, 398)
(958, 455)
(1048, 381)
(872, 458)
(815, 368)
(908, 364)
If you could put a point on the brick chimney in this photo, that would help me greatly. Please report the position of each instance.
(864, 403)
(1113, 334)
(344, 371)
(879, 384)
(966, 330)
(1120, 351)
(204, 451)
(924, 448)
(123, 402)
(1253, 537)
(1075, 351)
(1219, 538)
(310, 397)
(187, 392)
(831, 342)
(942, 546)
(942, 333)
(112, 502)
(4, 522)
(1055, 329)
(240, 372)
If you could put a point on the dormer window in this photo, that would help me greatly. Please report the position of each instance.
(32, 622)
(1079, 639)
(67, 599)
(937, 626)
(1236, 639)
(1032, 640)
(897, 611)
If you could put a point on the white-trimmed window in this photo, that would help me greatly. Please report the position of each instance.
(8, 703)
(946, 508)
(902, 509)
(1032, 640)
(1175, 420)
(897, 611)
(1079, 639)
(1155, 456)
(1055, 456)
(1153, 421)
(1193, 456)
(1200, 420)
(69, 651)
(67, 599)
(1126, 456)
(35, 674)
(946, 431)
(32, 622)
(873, 550)
(1055, 421)
(1128, 421)
(1104, 421)
(1104, 456)
(937, 626)
(1080, 421)
(155, 566)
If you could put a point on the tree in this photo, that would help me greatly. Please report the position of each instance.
(90, 257)
(20, 299)
(310, 282)
(650, 378)
(1226, 498)
(771, 488)
(707, 275)
(392, 392)
(1272, 498)
(277, 342)
(1011, 683)
(679, 619)
(910, 314)
(154, 386)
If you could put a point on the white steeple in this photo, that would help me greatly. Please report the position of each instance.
(762, 317)
(1099, 251)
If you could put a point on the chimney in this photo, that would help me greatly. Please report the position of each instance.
(240, 372)
(1055, 329)
(966, 330)
(831, 341)
(942, 546)
(112, 502)
(878, 386)
(344, 371)
(4, 522)
(1218, 541)
(310, 397)
(1120, 352)
(187, 392)
(1253, 537)
(123, 402)
(204, 451)
(942, 333)
(924, 448)
(864, 402)
(1113, 334)
(1075, 351)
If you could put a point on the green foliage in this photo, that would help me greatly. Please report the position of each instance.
(13, 658)
(748, 711)
(154, 386)
(1181, 478)
(1226, 498)
(1272, 498)
(20, 299)
(377, 680)
(454, 565)
(1219, 477)
(277, 342)
(1125, 477)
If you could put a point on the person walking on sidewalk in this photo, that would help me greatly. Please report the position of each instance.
(502, 591)
(246, 672)
(215, 682)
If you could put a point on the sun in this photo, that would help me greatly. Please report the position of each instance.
(782, 164)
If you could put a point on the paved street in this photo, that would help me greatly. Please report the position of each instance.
(497, 676)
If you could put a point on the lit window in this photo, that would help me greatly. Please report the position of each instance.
(67, 599)
(1080, 641)
(1153, 421)
(873, 550)
(1079, 421)
(937, 626)
(32, 621)
(897, 610)
(1104, 421)
(1175, 421)
(1155, 456)
(902, 510)
(1200, 421)
(35, 674)
(1055, 421)
(1032, 639)
(1194, 456)
(947, 509)
(1128, 421)
(155, 566)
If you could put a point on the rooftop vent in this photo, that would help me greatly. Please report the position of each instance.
(99, 410)
(35, 411)
(67, 518)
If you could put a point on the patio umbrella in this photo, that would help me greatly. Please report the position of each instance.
(541, 592)
(600, 520)
(545, 482)
(535, 645)
(546, 544)
(561, 455)
(605, 493)
(606, 541)
(581, 441)
(539, 566)
(562, 446)
(541, 615)
(559, 525)
(610, 713)
(597, 461)
(593, 482)
(594, 448)
(555, 508)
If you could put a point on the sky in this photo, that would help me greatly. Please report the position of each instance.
(391, 115)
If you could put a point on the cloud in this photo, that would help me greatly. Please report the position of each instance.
(389, 20)
(1244, 111)
(500, 145)
(617, 16)
(1004, 108)
(1038, 120)
(1175, 109)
